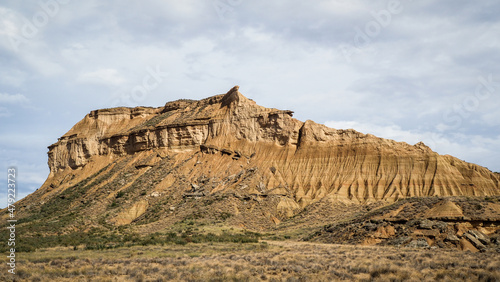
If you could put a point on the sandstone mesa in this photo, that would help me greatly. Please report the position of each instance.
(225, 162)
(305, 161)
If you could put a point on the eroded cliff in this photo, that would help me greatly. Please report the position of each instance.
(308, 160)
(227, 155)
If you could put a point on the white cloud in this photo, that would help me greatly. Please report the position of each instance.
(390, 131)
(9, 27)
(4, 112)
(13, 77)
(6, 98)
(341, 7)
(106, 76)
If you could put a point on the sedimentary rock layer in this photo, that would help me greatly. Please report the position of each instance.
(303, 161)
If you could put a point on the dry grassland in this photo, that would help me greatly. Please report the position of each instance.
(265, 261)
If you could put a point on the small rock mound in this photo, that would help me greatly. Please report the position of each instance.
(445, 210)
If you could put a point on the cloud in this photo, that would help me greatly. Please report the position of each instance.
(13, 77)
(390, 131)
(106, 76)
(6, 98)
(4, 112)
(10, 22)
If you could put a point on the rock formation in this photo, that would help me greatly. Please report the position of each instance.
(304, 160)
(227, 158)
(454, 222)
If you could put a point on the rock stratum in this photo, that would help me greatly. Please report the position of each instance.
(464, 223)
(231, 159)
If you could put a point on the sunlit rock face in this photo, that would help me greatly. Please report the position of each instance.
(229, 143)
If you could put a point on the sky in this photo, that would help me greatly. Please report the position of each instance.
(399, 69)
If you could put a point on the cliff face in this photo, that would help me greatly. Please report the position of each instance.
(179, 126)
(225, 158)
(304, 160)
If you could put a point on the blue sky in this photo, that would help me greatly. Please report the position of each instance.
(405, 70)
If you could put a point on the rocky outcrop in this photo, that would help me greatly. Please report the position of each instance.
(130, 214)
(306, 160)
(446, 210)
(453, 222)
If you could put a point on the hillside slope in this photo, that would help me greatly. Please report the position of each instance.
(229, 159)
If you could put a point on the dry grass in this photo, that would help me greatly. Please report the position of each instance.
(266, 261)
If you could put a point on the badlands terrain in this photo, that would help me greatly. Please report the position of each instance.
(224, 189)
